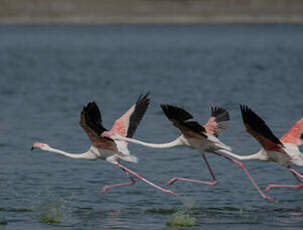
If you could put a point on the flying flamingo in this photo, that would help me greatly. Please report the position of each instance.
(283, 151)
(200, 137)
(105, 148)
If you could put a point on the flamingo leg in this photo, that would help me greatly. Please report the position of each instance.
(295, 173)
(249, 176)
(119, 185)
(144, 180)
(173, 180)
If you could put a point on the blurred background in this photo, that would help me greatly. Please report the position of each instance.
(150, 11)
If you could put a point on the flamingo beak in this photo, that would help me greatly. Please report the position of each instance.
(32, 148)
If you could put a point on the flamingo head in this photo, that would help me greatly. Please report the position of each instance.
(38, 145)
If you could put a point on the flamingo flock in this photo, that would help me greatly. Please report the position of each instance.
(112, 145)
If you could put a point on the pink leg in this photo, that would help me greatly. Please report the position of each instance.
(295, 173)
(119, 185)
(143, 179)
(249, 176)
(173, 180)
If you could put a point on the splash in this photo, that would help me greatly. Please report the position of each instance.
(181, 218)
(52, 211)
(3, 221)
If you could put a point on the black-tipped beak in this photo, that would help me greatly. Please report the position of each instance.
(32, 148)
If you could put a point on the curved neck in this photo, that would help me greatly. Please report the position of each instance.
(87, 155)
(256, 156)
(153, 145)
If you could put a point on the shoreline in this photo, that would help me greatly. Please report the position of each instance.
(156, 12)
(215, 21)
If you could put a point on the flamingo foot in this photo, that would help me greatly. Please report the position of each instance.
(268, 199)
(168, 191)
(300, 185)
(105, 188)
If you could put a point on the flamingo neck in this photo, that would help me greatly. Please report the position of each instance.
(256, 156)
(153, 145)
(86, 155)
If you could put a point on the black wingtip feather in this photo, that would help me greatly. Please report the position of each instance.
(220, 114)
(174, 112)
(257, 124)
(92, 116)
(182, 117)
(140, 109)
(143, 98)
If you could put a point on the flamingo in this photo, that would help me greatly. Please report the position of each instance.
(283, 151)
(105, 148)
(203, 138)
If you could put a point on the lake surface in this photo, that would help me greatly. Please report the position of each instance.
(48, 73)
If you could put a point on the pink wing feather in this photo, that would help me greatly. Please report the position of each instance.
(217, 122)
(295, 134)
(121, 125)
(127, 124)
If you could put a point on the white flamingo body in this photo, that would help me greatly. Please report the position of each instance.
(104, 147)
(112, 156)
(268, 155)
(296, 157)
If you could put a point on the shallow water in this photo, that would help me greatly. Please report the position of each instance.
(48, 73)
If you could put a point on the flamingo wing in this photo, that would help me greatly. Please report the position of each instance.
(127, 124)
(217, 122)
(259, 130)
(295, 134)
(91, 122)
(180, 119)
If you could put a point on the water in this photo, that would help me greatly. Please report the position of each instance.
(48, 73)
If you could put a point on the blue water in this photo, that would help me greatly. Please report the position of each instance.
(48, 73)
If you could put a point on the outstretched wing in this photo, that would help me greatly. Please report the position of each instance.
(259, 130)
(295, 134)
(180, 118)
(127, 124)
(217, 122)
(91, 122)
